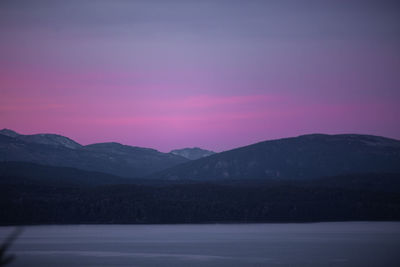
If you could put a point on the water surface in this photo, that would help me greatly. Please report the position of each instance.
(309, 244)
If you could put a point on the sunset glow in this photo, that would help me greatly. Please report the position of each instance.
(213, 74)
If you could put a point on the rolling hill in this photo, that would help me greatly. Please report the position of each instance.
(112, 158)
(303, 157)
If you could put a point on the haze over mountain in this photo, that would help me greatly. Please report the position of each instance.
(307, 156)
(56, 150)
(192, 153)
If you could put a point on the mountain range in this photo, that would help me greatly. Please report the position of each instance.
(51, 179)
(111, 158)
(302, 157)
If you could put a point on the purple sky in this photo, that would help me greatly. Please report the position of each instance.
(214, 74)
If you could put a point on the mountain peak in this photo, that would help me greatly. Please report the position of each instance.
(45, 139)
(51, 139)
(9, 132)
(117, 147)
(192, 153)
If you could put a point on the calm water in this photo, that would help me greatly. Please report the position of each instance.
(314, 244)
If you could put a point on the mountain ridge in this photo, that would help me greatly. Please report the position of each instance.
(301, 157)
(304, 156)
(43, 138)
(111, 158)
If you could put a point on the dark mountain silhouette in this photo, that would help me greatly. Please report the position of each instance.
(112, 158)
(303, 157)
(192, 153)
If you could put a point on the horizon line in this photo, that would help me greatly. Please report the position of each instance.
(200, 147)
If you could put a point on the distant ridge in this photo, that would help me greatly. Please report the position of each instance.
(302, 157)
(9, 132)
(46, 139)
(192, 153)
(57, 150)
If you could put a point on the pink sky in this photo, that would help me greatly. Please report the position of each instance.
(243, 75)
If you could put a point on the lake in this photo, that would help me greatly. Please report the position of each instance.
(307, 244)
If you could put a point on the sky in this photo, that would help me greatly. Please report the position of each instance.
(212, 74)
